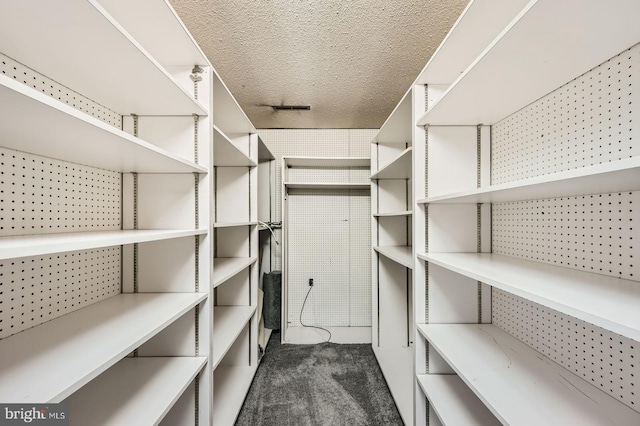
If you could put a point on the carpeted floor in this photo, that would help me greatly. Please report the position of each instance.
(318, 385)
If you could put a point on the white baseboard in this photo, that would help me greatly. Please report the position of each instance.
(309, 335)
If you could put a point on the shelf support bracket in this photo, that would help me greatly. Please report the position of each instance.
(135, 226)
(196, 120)
(135, 124)
(196, 76)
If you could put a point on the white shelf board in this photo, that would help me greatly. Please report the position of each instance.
(135, 391)
(49, 362)
(226, 267)
(233, 225)
(64, 132)
(327, 161)
(170, 47)
(326, 185)
(615, 176)
(400, 254)
(398, 127)
(231, 386)
(399, 168)
(227, 114)
(524, 63)
(228, 322)
(396, 363)
(37, 245)
(394, 214)
(130, 79)
(226, 153)
(263, 152)
(607, 302)
(471, 33)
(519, 385)
(453, 401)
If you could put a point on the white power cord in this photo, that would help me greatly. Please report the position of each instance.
(266, 225)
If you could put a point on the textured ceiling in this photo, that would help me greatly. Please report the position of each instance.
(350, 60)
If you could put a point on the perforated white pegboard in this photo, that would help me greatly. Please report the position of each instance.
(360, 142)
(605, 359)
(325, 228)
(590, 120)
(39, 195)
(595, 233)
(34, 290)
(33, 79)
(319, 248)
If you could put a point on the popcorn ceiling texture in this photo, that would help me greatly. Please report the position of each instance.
(350, 60)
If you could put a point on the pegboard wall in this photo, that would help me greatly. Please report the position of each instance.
(33, 79)
(326, 228)
(590, 120)
(39, 195)
(310, 143)
(595, 233)
(330, 174)
(34, 290)
(605, 359)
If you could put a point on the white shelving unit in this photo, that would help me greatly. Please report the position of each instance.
(487, 91)
(392, 254)
(234, 224)
(226, 153)
(616, 176)
(400, 167)
(566, 398)
(298, 181)
(399, 254)
(154, 383)
(147, 204)
(38, 245)
(322, 162)
(394, 214)
(322, 185)
(227, 267)
(129, 320)
(130, 79)
(523, 211)
(235, 381)
(313, 179)
(230, 320)
(238, 155)
(75, 136)
(604, 301)
(453, 401)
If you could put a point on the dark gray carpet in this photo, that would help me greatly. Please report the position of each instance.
(318, 385)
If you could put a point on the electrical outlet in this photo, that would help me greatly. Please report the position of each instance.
(310, 282)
